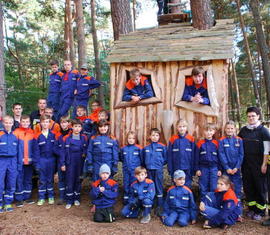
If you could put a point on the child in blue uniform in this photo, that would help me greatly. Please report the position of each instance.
(102, 149)
(231, 153)
(72, 159)
(207, 163)
(155, 157)
(64, 130)
(131, 157)
(45, 161)
(85, 85)
(87, 124)
(179, 204)
(55, 80)
(142, 194)
(221, 208)
(181, 152)
(196, 87)
(10, 163)
(104, 193)
(137, 87)
(24, 178)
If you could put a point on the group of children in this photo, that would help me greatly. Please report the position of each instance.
(84, 146)
(74, 150)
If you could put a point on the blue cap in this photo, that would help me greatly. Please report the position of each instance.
(179, 174)
(104, 168)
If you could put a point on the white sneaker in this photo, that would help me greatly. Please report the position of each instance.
(68, 206)
(77, 203)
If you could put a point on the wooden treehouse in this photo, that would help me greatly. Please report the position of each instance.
(166, 55)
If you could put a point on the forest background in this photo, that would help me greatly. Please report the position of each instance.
(33, 32)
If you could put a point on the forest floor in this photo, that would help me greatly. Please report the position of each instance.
(55, 219)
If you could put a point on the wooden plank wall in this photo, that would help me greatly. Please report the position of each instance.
(143, 118)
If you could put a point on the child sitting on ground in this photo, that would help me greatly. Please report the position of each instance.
(196, 87)
(104, 193)
(221, 208)
(142, 194)
(179, 204)
(137, 87)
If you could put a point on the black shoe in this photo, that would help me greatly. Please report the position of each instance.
(29, 201)
(19, 204)
(60, 202)
(266, 222)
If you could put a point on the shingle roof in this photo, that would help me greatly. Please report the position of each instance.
(175, 42)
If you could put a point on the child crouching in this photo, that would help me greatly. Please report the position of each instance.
(142, 197)
(104, 193)
(179, 204)
(221, 208)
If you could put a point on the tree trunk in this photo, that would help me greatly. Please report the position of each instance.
(201, 14)
(238, 103)
(68, 34)
(264, 50)
(250, 62)
(96, 50)
(176, 8)
(134, 14)
(80, 32)
(2, 67)
(121, 17)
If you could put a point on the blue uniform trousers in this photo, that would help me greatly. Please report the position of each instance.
(8, 174)
(128, 179)
(61, 184)
(46, 177)
(24, 183)
(73, 183)
(54, 101)
(182, 218)
(131, 211)
(65, 104)
(237, 181)
(157, 177)
(208, 180)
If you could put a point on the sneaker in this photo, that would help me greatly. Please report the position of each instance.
(266, 222)
(9, 208)
(68, 206)
(51, 201)
(250, 214)
(240, 219)
(29, 201)
(257, 217)
(19, 204)
(41, 202)
(1, 210)
(145, 219)
(77, 203)
(60, 202)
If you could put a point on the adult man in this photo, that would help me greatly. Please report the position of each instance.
(35, 115)
(17, 110)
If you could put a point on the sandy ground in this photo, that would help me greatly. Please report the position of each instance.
(54, 219)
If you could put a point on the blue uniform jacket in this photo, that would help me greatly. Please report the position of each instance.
(180, 199)
(84, 84)
(191, 90)
(155, 156)
(45, 148)
(143, 90)
(141, 191)
(207, 154)
(131, 157)
(72, 147)
(107, 198)
(181, 153)
(103, 149)
(231, 152)
(227, 203)
(55, 82)
(68, 84)
(11, 146)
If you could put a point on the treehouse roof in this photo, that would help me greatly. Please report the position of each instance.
(175, 42)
